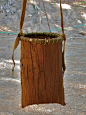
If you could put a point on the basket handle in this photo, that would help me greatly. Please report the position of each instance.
(23, 15)
(16, 43)
(62, 23)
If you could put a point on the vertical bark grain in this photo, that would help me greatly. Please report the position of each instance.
(41, 73)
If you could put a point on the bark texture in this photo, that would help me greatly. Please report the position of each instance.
(41, 73)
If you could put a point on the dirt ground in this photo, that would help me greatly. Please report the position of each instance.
(75, 55)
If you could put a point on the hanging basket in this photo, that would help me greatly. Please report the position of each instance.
(42, 63)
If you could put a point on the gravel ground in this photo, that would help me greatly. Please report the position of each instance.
(74, 81)
(75, 55)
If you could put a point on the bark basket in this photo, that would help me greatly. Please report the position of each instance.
(41, 68)
(42, 63)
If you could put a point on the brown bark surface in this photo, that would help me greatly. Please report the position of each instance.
(41, 73)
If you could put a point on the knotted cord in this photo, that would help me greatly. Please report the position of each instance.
(20, 33)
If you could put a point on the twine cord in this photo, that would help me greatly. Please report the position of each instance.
(20, 33)
(46, 15)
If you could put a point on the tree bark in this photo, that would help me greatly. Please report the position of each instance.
(41, 73)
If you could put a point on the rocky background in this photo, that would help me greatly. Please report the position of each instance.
(35, 19)
(75, 55)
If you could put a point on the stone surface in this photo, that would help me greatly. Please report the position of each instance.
(74, 81)
(75, 55)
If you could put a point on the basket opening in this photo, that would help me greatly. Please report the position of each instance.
(41, 35)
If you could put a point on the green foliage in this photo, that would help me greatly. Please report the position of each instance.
(83, 2)
(80, 3)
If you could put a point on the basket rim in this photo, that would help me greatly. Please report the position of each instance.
(47, 38)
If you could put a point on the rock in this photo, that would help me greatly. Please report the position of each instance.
(29, 15)
(82, 33)
(10, 2)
